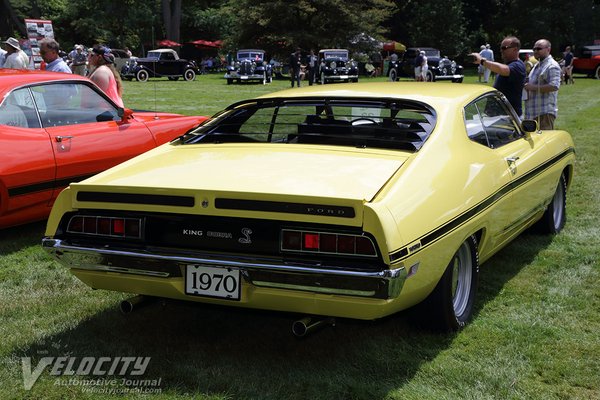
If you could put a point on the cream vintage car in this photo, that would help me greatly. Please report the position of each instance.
(357, 200)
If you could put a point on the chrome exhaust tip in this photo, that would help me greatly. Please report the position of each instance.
(307, 325)
(134, 303)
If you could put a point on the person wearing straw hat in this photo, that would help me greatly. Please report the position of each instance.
(15, 57)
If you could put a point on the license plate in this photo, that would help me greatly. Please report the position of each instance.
(243, 77)
(201, 280)
(344, 76)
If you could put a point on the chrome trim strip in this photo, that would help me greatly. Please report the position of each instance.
(58, 248)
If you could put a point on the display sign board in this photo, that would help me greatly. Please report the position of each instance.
(37, 29)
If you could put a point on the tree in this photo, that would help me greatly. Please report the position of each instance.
(279, 26)
(171, 10)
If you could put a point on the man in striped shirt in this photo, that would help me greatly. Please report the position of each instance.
(542, 87)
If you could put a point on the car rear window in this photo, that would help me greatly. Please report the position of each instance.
(390, 124)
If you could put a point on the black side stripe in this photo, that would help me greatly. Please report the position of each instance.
(46, 185)
(478, 208)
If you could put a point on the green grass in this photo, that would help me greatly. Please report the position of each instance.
(535, 334)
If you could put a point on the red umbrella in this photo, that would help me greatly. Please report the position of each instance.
(168, 43)
(205, 43)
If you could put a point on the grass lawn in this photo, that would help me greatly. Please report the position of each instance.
(535, 335)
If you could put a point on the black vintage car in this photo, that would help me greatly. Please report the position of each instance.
(336, 65)
(159, 63)
(250, 65)
(439, 68)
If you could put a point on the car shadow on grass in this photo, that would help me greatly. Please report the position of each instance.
(16, 238)
(222, 352)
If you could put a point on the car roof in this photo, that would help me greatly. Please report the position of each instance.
(164, 50)
(323, 50)
(12, 78)
(436, 94)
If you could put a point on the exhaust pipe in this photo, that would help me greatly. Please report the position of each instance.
(307, 325)
(135, 303)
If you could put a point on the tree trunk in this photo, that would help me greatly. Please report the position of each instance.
(172, 18)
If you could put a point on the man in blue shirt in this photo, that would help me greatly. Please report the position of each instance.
(49, 52)
(510, 76)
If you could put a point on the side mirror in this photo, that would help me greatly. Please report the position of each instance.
(125, 114)
(529, 125)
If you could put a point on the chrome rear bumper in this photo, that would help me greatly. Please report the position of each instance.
(384, 284)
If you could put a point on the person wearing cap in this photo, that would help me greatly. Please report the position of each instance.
(104, 74)
(15, 57)
(78, 61)
(49, 51)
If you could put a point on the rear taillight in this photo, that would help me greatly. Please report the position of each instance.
(327, 243)
(130, 228)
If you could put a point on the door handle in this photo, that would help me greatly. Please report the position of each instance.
(512, 160)
(59, 139)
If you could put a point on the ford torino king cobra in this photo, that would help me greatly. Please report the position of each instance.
(358, 200)
(58, 128)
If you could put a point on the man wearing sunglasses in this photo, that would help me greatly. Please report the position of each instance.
(542, 87)
(510, 76)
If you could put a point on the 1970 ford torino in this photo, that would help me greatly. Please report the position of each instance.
(357, 200)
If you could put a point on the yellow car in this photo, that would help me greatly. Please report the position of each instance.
(349, 200)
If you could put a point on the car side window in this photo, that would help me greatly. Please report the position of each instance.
(489, 122)
(72, 104)
(18, 110)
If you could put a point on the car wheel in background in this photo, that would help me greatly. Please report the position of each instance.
(189, 74)
(430, 76)
(450, 306)
(142, 75)
(393, 75)
(597, 72)
(555, 216)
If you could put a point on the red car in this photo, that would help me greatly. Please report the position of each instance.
(588, 61)
(58, 128)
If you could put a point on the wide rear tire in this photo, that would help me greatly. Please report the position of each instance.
(555, 216)
(450, 306)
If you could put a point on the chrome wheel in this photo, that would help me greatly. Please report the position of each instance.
(189, 75)
(462, 275)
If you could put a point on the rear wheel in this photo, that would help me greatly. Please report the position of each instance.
(142, 75)
(450, 305)
(555, 216)
(597, 73)
(189, 74)
(430, 77)
(393, 75)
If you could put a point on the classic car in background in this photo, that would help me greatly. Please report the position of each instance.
(121, 58)
(250, 65)
(351, 200)
(440, 68)
(159, 64)
(588, 61)
(336, 65)
(59, 128)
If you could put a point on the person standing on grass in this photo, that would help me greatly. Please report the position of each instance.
(542, 87)
(510, 76)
